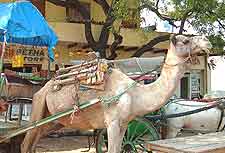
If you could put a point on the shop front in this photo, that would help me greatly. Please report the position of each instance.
(194, 84)
(27, 61)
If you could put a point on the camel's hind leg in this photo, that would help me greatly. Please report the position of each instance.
(39, 110)
(42, 131)
(33, 136)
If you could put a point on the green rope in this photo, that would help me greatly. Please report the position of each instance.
(109, 100)
(1, 65)
(46, 120)
(104, 100)
(2, 83)
(56, 116)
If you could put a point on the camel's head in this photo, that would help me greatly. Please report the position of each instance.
(184, 46)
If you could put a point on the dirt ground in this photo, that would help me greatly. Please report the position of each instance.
(69, 144)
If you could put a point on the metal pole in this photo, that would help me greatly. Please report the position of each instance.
(3, 52)
(49, 69)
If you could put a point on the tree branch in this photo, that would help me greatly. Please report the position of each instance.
(220, 23)
(83, 11)
(101, 44)
(150, 45)
(157, 4)
(104, 4)
(186, 15)
(104, 35)
(161, 16)
(118, 39)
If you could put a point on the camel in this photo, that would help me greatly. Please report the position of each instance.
(136, 101)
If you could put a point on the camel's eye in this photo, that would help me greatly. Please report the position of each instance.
(186, 41)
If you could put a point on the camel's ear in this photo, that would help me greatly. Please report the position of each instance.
(173, 39)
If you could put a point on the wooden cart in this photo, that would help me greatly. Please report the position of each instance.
(17, 92)
(207, 143)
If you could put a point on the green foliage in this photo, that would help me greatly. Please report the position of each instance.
(206, 16)
(122, 11)
(218, 43)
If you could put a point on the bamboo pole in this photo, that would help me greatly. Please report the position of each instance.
(63, 70)
(46, 120)
(70, 80)
(78, 72)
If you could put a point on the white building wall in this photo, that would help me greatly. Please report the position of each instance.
(218, 74)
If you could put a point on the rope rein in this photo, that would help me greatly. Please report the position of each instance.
(109, 100)
(188, 58)
(115, 98)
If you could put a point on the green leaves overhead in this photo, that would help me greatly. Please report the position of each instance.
(123, 11)
(120, 9)
(205, 16)
(218, 43)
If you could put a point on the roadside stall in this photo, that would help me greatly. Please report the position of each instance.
(26, 51)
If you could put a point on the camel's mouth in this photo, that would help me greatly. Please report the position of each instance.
(202, 43)
(206, 50)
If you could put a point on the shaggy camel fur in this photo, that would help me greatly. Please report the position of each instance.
(137, 101)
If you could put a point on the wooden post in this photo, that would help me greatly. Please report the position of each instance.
(10, 111)
(20, 113)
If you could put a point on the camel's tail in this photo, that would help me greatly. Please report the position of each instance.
(39, 110)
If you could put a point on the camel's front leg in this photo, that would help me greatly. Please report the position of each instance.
(115, 136)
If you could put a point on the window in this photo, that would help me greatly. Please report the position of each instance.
(185, 87)
(73, 15)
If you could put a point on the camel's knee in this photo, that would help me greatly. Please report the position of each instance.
(24, 148)
(29, 140)
(26, 145)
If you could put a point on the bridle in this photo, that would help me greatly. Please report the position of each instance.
(189, 59)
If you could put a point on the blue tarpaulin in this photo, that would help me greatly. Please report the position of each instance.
(22, 23)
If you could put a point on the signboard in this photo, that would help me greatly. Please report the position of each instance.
(195, 85)
(30, 54)
(18, 61)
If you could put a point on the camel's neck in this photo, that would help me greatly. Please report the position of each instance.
(155, 95)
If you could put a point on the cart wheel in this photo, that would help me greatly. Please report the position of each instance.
(102, 142)
(139, 132)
